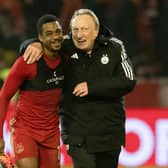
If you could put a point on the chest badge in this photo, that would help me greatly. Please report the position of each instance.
(105, 59)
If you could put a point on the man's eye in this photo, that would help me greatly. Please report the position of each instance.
(85, 28)
(48, 33)
(58, 31)
(74, 30)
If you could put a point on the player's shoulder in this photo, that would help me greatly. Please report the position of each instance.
(20, 62)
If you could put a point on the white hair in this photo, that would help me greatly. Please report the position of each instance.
(86, 12)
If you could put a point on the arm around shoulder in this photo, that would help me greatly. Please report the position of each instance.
(31, 50)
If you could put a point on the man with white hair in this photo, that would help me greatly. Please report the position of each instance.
(99, 73)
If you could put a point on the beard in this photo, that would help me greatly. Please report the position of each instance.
(52, 47)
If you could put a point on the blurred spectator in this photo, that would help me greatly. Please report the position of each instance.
(132, 24)
(147, 63)
(67, 11)
(104, 9)
(15, 8)
(33, 9)
(162, 36)
(9, 39)
(125, 25)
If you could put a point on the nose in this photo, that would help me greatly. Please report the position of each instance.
(79, 33)
(57, 36)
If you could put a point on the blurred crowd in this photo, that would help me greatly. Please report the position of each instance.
(141, 24)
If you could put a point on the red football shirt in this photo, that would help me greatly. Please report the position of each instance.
(36, 111)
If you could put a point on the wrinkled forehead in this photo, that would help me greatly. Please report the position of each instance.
(85, 20)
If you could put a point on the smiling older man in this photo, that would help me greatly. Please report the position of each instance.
(98, 75)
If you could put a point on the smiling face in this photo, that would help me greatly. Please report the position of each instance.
(51, 37)
(84, 32)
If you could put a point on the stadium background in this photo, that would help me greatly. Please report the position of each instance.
(143, 26)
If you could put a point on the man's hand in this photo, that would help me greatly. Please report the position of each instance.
(33, 52)
(81, 89)
(2, 145)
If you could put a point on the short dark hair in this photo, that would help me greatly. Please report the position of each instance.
(45, 19)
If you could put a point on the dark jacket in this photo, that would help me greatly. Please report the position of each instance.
(98, 119)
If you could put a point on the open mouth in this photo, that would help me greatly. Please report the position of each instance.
(56, 41)
(81, 42)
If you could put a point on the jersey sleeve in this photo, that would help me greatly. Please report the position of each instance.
(121, 83)
(18, 73)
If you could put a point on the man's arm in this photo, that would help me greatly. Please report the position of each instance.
(18, 73)
(121, 83)
(31, 50)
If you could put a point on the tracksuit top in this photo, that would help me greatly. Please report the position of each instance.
(98, 119)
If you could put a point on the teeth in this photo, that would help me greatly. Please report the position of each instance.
(81, 41)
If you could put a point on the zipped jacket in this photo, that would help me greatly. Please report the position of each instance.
(98, 119)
